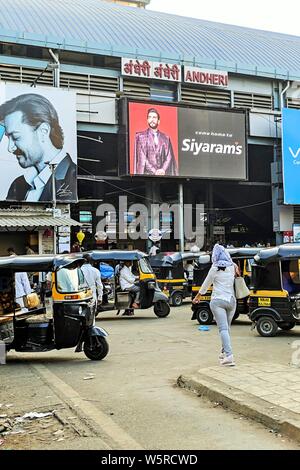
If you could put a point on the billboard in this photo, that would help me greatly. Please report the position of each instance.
(38, 141)
(167, 140)
(291, 155)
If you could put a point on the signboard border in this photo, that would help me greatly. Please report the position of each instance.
(124, 150)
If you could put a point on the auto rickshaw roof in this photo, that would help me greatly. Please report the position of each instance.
(169, 258)
(40, 263)
(243, 252)
(278, 253)
(235, 253)
(116, 255)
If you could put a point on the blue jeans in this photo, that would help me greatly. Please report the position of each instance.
(223, 313)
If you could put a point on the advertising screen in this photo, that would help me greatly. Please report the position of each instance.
(38, 143)
(291, 155)
(175, 141)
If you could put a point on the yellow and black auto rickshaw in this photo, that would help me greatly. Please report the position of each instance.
(244, 258)
(172, 275)
(150, 293)
(71, 323)
(274, 300)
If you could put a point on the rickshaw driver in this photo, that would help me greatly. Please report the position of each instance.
(128, 281)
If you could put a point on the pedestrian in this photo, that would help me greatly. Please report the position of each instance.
(22, 289)
(93, 279)
(154, 250)
(75, 247)
(22, 284)
(29, 250)
(223, 302)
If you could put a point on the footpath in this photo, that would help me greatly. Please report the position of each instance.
(34, 417)
(266, 392)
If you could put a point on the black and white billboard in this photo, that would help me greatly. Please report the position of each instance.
(38, 144)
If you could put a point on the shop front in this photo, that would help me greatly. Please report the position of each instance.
(33, 227)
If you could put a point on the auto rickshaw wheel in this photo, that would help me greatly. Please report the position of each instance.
(161, 309)
(96, 348)
(204, 316)
(285, 326)
(176, 299)
(266, 326)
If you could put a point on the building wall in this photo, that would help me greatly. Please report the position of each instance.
(99, 88)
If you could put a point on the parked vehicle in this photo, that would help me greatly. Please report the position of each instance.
(274, 301)
(172, 278)
(71, 323)
(244, 258)
(150, 293)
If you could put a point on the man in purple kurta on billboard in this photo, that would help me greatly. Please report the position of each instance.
(154, 153)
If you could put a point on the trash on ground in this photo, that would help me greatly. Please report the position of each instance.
(5, 425)
(203, 328)
(33, 415)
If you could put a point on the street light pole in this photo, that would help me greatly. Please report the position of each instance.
(181, 219)
(52, 166)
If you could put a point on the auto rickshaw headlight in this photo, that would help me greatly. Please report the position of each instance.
(72, 297)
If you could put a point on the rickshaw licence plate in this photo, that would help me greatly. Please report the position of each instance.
(205, 297)
(264, 302)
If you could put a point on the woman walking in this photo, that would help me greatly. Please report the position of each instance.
(223, 302)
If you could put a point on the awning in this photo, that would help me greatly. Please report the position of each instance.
(26, 220)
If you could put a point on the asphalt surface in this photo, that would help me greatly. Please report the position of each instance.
(130, 400)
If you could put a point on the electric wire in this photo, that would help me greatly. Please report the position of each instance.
(155, 202)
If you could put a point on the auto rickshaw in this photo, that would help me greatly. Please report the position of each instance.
(274, 300)
(169, 268)
(150, 293)
(72, 321)
(244, 258)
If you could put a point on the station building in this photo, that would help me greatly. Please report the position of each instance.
(219, 90)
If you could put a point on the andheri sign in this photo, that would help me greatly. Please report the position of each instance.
(206, 77)
(166, 140)
(291, 155)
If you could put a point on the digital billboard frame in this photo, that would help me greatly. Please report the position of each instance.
(290, 155)
(129, 136)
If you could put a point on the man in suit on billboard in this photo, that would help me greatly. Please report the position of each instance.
(36, 138)
(154, 153)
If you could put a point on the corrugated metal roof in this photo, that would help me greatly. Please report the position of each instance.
(108, 28)
(14, 219)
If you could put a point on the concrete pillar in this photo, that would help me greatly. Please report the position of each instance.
(181, 217)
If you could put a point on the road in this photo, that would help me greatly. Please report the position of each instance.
(130, 399)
